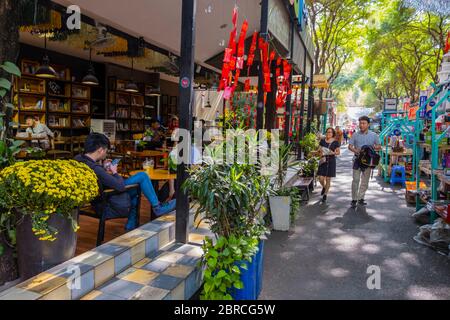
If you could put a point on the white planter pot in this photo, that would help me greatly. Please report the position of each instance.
(280, 207)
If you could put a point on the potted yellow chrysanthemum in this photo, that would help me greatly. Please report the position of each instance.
(44, 196)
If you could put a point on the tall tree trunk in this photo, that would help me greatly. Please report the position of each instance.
(9, 51)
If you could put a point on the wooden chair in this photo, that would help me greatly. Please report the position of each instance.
(97, 211)
(78, 145)
(55, 153)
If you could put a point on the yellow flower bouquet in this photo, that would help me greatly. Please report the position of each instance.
(43, 188)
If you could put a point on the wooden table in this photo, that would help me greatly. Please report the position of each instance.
(31, 139)
(158, 174)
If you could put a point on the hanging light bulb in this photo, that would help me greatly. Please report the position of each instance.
(90, 78)
(45, 70)
(131, 86)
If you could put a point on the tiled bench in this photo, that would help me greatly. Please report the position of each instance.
(142, 264)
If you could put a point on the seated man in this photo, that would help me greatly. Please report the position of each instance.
(96, 149)
(39, 130)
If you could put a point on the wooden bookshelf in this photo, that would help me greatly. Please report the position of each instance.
(126, 108)
(59, 103)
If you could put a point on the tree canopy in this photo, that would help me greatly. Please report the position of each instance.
(380, 48)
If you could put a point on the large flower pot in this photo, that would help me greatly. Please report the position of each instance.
(280, 208)
(252, 277)
(35, 256)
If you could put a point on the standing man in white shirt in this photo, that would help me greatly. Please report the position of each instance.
(361, 177)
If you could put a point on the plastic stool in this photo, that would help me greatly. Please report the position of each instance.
(398, 175)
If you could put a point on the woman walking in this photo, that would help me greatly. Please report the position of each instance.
(329, 149)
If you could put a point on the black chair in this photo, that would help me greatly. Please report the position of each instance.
(97, 211)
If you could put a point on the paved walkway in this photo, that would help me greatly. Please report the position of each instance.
(327, 253)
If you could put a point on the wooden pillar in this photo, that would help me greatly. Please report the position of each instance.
(186, 105)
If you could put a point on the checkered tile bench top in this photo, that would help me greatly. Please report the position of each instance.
(144, 264)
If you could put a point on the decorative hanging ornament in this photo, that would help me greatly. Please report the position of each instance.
(447, 44)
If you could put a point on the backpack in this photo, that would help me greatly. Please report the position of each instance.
(368, 157)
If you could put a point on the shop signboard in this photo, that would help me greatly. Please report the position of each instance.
(320, 81)
(390, 105)
(423, 109)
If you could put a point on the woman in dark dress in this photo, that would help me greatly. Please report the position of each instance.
(327, 167)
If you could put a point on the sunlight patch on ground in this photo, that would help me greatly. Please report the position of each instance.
(287, 255)
(395, 268)
(346, 243)
(371, 248)
(422, 293)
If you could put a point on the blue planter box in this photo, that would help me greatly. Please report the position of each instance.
(252, 277)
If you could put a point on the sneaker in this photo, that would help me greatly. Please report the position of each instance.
(131, 223)
(164, 208)
(323, 192)
(324, 198)
(362, 202)
(354, 202)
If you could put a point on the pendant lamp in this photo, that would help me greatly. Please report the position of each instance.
(131, 86)
(90, 79)
(45, 70)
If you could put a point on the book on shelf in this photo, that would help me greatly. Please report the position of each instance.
(137, 114)
(39, 105)
(79, 123)
(80, 107)
(122, 100)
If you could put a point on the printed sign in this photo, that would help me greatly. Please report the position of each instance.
(185, 82)
(390, 105)
(423, 107)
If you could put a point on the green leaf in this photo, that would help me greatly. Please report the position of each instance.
(11, 68)
(12, 235)
(9, 105)
(213, 253)
(207, 287)
(236, 269)
(212, 262)
(223, 288)
(221, 274)
(3, 92)
(238, 285)
(4, 83)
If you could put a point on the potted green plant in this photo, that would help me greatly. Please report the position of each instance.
(231, 198)
(309, 144)
(43, 196)
(309, 167)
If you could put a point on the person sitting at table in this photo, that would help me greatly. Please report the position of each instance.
(157, 139)
(96, 149)
(39, 130)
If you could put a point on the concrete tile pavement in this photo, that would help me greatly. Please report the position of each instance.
(326, 255)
